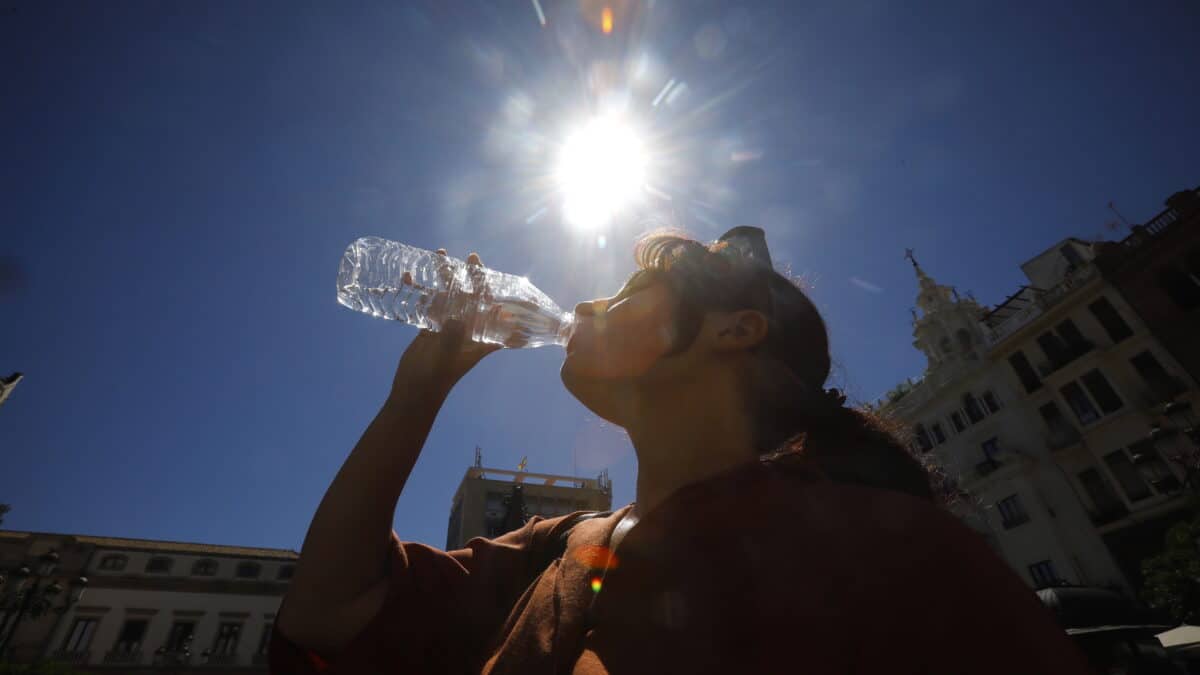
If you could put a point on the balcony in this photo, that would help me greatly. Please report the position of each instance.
(221, 660)
(77, 658)
(173, 658)
(123, 658)
(1162, 390)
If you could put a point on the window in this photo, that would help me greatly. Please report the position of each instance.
(264, 640)
(130, 638)
(1076, 343)
(1180, 286)
(285, 572)
(1153, 469)
(1012, 513)
(971, 405)
(964, 340)
(1107, 503)
(989, 400)
(204, 568)
(1161, 384)
(1043, 574)
(159, 565)
(1024, 371)
(180, 637)
(1100, 390)
(991, 448)
(1052, 416)
(939, 436)
(227, 639)
(1079, 403)
(1108, 317)
(1127, 475)
(1055, 349)
(113, 563)
(80, 636)
(248, 570)
(922, 438)
(956, 419)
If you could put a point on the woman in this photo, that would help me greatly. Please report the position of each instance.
(774, 529)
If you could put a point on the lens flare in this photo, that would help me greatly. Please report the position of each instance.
(601, 169)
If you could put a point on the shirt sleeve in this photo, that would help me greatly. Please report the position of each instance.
(442, 609)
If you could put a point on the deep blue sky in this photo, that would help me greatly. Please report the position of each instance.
(179, 180)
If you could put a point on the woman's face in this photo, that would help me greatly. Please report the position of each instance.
(619, 339)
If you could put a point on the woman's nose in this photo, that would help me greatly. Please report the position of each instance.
(590, 308)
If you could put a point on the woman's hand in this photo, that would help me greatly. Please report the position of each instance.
(438, 360)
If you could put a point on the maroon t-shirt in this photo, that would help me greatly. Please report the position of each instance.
(765, 569)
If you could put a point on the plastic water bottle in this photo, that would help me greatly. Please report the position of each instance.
(391, 280)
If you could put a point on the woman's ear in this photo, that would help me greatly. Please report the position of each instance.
(738, 330)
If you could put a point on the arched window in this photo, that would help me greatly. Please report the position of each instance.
(113, 563)
(248, 570)
(204, 568)
(971, 405)
(964, 340)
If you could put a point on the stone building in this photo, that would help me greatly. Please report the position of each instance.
(490, 502)
(1049, 410)
(154, 606)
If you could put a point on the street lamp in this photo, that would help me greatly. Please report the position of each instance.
(35, 593)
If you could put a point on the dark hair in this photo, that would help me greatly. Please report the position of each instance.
(794, 417)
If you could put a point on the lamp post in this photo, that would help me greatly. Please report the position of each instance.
(35, 593)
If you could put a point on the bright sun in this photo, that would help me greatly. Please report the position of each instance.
(601, 169)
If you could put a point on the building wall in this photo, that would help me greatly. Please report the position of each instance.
(480, 496)
(183, 592)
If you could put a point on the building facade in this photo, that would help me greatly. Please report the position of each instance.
(484, 504)
(1048, 408)
(168, 607)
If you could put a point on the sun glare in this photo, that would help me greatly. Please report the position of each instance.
(601, 169)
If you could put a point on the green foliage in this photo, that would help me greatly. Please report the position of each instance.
(1172, 578)
(40, 668)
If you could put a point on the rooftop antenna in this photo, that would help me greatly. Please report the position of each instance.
(478, 457)
(1113, 208)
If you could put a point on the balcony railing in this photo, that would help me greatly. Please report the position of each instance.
(72, 657)
(173, 659)
(123, 658)
(222, 660)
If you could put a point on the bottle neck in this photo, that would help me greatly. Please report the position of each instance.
(566, 328)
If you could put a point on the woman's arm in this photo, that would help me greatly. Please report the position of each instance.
(341, 578)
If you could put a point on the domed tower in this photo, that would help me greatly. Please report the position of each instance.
(947, 328)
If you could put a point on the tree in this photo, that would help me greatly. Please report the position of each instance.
(1172, 578)
(4, 508)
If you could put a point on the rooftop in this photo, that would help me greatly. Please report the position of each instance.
(157, 545)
